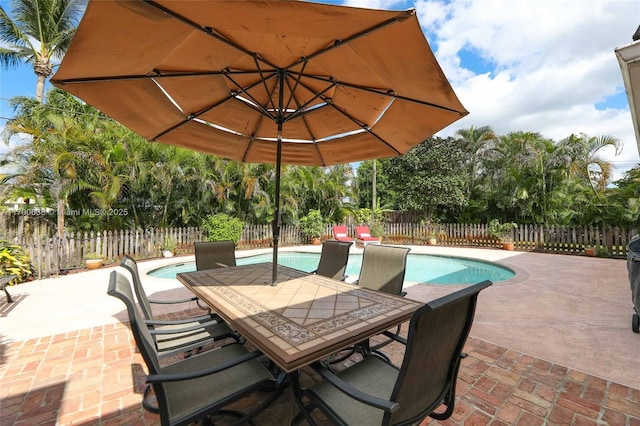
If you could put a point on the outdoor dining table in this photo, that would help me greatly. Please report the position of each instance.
(302, 319)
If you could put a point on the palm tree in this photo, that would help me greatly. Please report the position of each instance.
(476, 141)
(39, 34)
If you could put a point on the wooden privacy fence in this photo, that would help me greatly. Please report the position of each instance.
(542, 238)
(51, 255)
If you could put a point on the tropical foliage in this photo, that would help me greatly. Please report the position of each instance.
(14, 261)
(520, 177)
(91, 173)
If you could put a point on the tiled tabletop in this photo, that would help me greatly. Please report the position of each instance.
(302, 319)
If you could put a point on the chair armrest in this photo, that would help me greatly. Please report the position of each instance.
(358, 395)
(395, 337)
(171, 302)
(205, 318)
(194, 327)
(176, 377)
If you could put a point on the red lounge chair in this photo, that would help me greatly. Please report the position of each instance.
(340, 233)
(363, 236)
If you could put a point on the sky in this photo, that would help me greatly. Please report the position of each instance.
(545, 66)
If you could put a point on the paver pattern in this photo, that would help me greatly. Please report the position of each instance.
(95, 377)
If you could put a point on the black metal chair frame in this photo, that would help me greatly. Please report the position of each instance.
(421, 329)
(184, 371)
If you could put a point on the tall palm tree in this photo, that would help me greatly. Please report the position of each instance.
(39, 34)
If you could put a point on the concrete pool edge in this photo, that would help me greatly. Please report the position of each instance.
(466, 265)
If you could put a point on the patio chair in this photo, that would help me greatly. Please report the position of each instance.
(340, 233)
(383, 269)
(199, 386)
(374, 392)
(333, 259)
(173, 336)
(215, 254)
(4, 283)
(363, 236)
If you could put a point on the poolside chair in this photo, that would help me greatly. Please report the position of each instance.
(199, 386)
(215, 254)
(178, 335)
(383, 269)
(374, 392)
(4, 283)
(363, 236)
(333, 259)
(340, 233)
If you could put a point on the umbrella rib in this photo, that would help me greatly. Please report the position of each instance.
(264, 84)
(401, 17)
(207, 30)
(295, 86)
(300, 110)
(388, 93)
(191, 116)
(355, 120)
(257, 105)
(306, 124)
(154, 74)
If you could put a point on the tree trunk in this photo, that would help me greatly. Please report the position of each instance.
(61, 205)
(43, 69)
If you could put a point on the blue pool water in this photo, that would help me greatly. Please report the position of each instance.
(421, 268)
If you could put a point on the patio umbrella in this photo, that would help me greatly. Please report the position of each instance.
(281, 82)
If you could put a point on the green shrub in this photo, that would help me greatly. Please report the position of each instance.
(169, 244)
(502, 231)
(221, 227)
(312, 224)
(602, 251)
(14, 261)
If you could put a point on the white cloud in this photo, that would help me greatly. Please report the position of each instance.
(552, 61)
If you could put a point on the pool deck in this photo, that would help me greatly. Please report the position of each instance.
(568, 311)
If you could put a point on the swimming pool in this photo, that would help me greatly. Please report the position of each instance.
(421, 268)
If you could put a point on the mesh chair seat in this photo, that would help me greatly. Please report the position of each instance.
(187, 397)
(372, 376)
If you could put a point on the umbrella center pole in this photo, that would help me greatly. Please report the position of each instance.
(276, 211)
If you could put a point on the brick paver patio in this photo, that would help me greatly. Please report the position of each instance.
(94, 376)
(561, 349)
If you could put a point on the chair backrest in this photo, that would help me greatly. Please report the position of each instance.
(215, 254)
(120, 287)
(340, 231)
(333, 259)
(362, 231)
(132, 266)
(383, 268)
(437, 334)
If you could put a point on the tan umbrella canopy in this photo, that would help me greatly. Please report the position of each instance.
(274, 81)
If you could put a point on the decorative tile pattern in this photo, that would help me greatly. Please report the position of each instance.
(303, 317)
